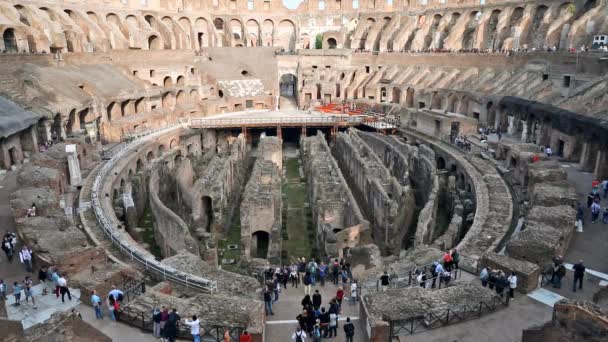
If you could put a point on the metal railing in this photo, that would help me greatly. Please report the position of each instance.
(113, 233)
(211, 333)
(436, 282)
(279, 121)
(414, 324)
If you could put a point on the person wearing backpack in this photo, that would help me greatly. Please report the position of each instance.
(298, 335)
(349, 330)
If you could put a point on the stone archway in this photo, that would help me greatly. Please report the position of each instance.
(10, 41)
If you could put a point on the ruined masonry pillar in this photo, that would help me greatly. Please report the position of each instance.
(525, 131)
(512, 128)
(73, 165)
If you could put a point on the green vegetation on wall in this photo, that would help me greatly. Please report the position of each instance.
(319, 41)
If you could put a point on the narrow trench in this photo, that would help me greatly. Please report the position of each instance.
(146, 223)
(298, 231)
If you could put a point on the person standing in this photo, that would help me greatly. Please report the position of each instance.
(349, 330)
(595, 211)
(298, 335)
(384, 281)
(316, 332)
(293, 275)
(26, 258)
(156, 317)
(268, 302)
(605, 187)
(579, 273)
(316, 300)
(455, 258)
(164, 317)
(353, 292)
(512, 284)
(27, 289)
(96, 302)
(110, 301)
(195, 326)
(42, 276)
(55, 278)
(171, 326)
(333, 325)
(63, 288)
(335, 271)
(447, 261)
(17, 293)
(307, 283)
(2, 290)
(322, 273)
(8, 248)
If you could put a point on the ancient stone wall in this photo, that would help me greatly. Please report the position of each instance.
(527, 272)
(170, 230)
(389, 204)
(213, 195)
(261, 205)
(338, 221)
(572, 321)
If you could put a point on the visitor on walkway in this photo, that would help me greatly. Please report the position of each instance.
(268, 302)
(322, 273)
(301, 268)
(605, 216)
(26, 258)
(171, 326)
(548, 151)
(8, 247)
(340, 296)
(195, 326)
(226, 335)
(580, 218)
(455, 258)
(298, 335)
(164, 317)
(42, 277)
(447, 261)
(116, 293)
(579, 273)
(293, 275)
(245, 337)
(335, 271)
(492, 277)
(111, 303)
(312, 270)
(605, 187)
(501, 282)
(333, 325)
(349, 330)
(2, 290)
(17, 293)
(156, 319)
(316, 332)
(96, 303)
(306, 301)
(595, 211)
(63, 288)
(316, 300)
(324, 322)
(276, 288)
(384, 281)
(559, 271)
(307, 283)
(285, 276)
(436, 271)
(29, 292)
(421, 278)
(353, 292)
(512, 279)
(55, 277)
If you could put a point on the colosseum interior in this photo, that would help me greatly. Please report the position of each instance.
(182, 150)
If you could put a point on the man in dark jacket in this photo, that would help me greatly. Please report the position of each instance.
(316, 300)
(579, 273)
(324, 319)
(170, 332)
(349, 330)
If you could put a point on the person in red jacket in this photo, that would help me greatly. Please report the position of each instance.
(447, 261)
(245, 337)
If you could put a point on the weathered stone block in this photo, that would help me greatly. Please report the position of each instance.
(527, 272)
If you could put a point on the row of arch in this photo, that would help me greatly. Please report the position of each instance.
(90, 31)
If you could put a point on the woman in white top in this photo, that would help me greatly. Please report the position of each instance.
(353, 292)
(512, 284)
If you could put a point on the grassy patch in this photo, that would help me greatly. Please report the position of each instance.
(147, 223)
(297, 225)
(233, 237)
